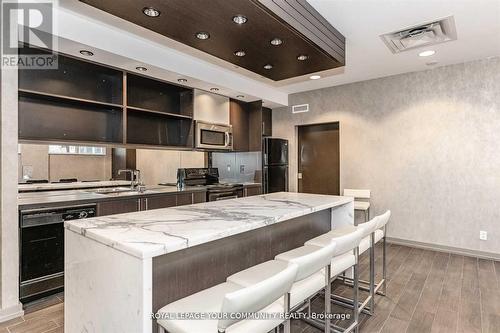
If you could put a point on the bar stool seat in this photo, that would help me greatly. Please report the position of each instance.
(361, 205)
(228, 298)
(365, 242)
(210, 300)
(300, 289)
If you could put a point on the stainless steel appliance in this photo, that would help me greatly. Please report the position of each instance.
(41, 249)
(209, 178)
(275, 165)
(213, 136)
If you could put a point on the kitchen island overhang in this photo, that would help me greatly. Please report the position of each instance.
(119, 270)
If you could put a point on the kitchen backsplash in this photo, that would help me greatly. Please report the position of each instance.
(238, 167)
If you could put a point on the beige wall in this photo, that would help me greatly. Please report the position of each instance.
(425, 143)
(159, 166)
(55, 167)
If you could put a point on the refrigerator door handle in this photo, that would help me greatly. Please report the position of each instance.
(266, 180)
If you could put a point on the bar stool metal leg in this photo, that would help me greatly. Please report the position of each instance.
(356, 293)
(384, 265)
(286, 324)
(372, 273)
(328, 293)
(161, 329)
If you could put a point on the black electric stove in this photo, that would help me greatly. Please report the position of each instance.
(209, 178)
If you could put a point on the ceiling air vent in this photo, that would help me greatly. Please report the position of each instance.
(421, 35)
(300, 108)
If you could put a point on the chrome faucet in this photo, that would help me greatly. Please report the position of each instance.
(135, 179)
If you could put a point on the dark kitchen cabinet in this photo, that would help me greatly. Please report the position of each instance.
(118, 206)
(246, 119)
(160, 201)
(156, 201)
(239, 119)
(81, 102)
(252, 190)
(267, 122)
(199, 197)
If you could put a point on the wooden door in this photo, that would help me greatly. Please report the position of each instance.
(319, 159)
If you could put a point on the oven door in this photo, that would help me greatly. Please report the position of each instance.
(214, 136)
(224, 195)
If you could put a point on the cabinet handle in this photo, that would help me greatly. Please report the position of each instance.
(146, 203)
(139, 208)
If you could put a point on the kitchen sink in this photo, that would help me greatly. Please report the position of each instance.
(120, 191)
(112, 190)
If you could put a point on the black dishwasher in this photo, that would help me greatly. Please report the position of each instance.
(41, 249)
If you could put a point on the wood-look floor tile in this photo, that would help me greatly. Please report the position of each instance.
(394, 325)
(33, 326)
(490, 309)
(445, 321)
(11, 322)
(487, 276)
(469, 315)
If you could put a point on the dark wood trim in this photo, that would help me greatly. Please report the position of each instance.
(182, 273)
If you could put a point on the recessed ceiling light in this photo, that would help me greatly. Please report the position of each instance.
(427, 53)
(142, 69)
(182, 80)
(314, 77)
(214, 89)
(240, 96)
(431, 63)
(268, 66)
(240, 53)
(276, 41)
(151, 12)
(302, 57)
(86, 53)
(202, 35)
(239, 19)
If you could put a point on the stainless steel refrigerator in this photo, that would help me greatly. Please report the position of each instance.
(275, 165)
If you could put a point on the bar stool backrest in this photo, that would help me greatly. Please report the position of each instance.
(370, 226)
(348, 242)
(313, 262)
(383, 219)
(358, 194)
(258, 296)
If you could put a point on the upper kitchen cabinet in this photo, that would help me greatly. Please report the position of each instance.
(246, 119)
(211, 108)
(79, 101)
(267, 122)
(158, 113)
(145, 94)
(73, 80)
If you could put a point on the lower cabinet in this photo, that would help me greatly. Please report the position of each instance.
(252, 190)
(118, 207)
(121, 206)
(157, 202)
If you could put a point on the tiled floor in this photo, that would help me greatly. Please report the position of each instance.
(427, 292)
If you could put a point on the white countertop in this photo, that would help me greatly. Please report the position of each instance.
(156, 232)
(75, 185)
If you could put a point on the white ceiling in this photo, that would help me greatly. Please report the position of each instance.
(363, 21)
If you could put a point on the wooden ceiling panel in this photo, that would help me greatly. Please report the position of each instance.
(181, 20)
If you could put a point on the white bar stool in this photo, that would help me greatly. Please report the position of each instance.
(373, 232)
(228, 298)
(361, 205)
(310, 279)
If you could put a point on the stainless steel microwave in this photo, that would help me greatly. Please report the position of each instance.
(213, 136)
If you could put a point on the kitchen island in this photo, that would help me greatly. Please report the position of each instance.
(121, 269)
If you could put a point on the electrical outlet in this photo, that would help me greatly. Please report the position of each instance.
(242, 168)
(483, 235)
(228, 167)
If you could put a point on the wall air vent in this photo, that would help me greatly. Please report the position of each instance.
(426, 34)
(300, 108)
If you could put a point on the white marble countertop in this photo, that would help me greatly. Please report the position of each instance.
(67, 186)
(156, 232)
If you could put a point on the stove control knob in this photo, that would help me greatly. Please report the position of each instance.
(83, 215)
